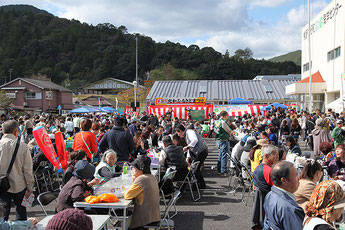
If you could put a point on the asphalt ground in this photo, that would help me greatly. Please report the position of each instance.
(217, 209)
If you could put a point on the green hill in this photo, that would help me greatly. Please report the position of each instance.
(292, 56)
(33, 42)
(20, 7)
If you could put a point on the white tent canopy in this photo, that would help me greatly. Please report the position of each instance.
(336, 105)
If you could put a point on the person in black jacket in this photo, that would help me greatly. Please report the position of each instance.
(118, 140)
(173, 156)
(157, 136)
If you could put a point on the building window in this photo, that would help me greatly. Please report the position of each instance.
(11, 95)
(333, 54)
(49, 95)
(306, 66)
(31, 95)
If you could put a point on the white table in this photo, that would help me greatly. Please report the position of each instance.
(122, 204)
(98, 222)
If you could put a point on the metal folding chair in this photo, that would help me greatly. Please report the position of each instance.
(166, 222)
(45, 199)
(238, 176)
(39, 176)
(168, 176)
(191, 180)
(247, 182)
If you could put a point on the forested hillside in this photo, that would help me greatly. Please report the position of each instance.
(33, 42)
(294, 56)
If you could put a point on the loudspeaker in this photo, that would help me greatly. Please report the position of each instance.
(132, 104)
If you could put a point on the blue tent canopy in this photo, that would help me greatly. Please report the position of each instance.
(80, 110)
(239, 101)
(277, 105)
(109, 109)
(85, 110)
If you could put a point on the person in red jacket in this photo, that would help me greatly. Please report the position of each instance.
(85, 140)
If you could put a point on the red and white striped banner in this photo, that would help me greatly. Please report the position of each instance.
(129, 111)
(180, 111)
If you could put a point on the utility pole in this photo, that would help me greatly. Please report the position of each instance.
(10, 74)
(136, 71)
(309, 54)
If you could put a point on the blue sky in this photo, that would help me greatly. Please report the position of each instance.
(268, 27)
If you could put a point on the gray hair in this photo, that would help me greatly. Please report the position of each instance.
(10, 126)
(268, 149)
(109, 153)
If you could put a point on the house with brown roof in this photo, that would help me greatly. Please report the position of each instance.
(32, 95)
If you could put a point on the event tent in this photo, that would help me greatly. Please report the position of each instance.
(239, 101)
(109, 109)
(277, 105)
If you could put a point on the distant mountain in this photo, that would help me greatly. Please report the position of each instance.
(36, 43)
(292, 56)
(23, 8)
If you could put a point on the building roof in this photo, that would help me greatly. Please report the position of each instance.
(279, 77)
(40, 84)
(222, 90)
(315, 78)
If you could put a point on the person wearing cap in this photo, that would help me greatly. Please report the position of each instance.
(145, 193)
(281, 208)
(325, 206)
(338, 133)
(77, 188)
(319, 135)
(70, 219)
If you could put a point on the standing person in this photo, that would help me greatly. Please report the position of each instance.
(222, 139)
(28, 128)
(76, 122)
(85, 140)
(198, 150)
(69, 126)
(338, 133)
(281, 209)
(21, 176)
(118, 140)
(319, 135)
(295, 129)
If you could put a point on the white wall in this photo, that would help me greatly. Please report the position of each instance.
(328, 37)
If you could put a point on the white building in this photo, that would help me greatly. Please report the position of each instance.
(327, 43)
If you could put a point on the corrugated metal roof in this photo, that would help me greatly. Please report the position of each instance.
(223, 90)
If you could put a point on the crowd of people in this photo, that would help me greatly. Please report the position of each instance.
(288, 192)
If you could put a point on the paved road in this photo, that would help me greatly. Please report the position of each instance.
(217, 209)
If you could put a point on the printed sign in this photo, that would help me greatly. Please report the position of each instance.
(196, 101)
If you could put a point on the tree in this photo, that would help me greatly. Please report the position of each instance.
(4, 100)
(244, 54)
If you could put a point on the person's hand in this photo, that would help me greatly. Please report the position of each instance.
(185, 148)
(87, 193)
(188, 160)
(329, 156)
(93, 182)
(33, 220)
(27, 194)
